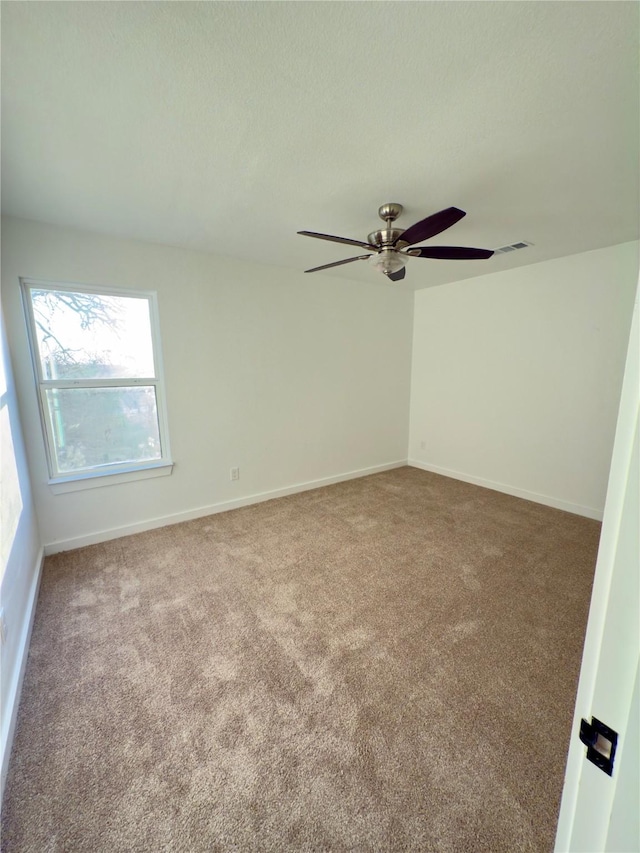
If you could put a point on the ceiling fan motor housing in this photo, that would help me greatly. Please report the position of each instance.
(385, 237)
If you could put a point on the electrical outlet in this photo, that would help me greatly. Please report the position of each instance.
(3, 627)
(235, 474)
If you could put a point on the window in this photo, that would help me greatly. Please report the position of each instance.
(96, 359)
(11, 505)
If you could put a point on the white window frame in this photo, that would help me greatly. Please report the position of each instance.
(109, 473)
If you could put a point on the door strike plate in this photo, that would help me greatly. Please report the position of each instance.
(601, 743)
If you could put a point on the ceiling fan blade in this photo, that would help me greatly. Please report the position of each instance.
(339, 263)
(451, 253)
(431, 226)
(346, 240)
(398, 275)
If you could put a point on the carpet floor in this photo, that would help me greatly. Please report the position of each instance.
(386, 664)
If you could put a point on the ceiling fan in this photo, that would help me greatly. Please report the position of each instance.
(390, 246)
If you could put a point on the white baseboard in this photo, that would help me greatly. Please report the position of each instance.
(224, 506)
(12, 701)
(556, 503)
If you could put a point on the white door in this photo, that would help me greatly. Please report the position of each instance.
(599, 813)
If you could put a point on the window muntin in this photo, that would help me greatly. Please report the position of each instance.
(97, 364)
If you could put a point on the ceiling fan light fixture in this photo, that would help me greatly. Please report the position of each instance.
(388, 261)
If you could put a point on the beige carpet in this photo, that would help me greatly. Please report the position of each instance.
(386, 664)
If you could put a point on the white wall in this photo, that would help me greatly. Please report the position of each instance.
(516, 376)
(292, 378)
(21, 561)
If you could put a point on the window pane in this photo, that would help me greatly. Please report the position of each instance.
(91, 336)
(103, 426)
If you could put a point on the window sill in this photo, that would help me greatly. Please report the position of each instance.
(95, 480)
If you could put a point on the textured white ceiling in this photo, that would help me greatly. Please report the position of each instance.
(229, 126)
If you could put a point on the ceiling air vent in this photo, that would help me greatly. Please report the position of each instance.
(512, 247)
